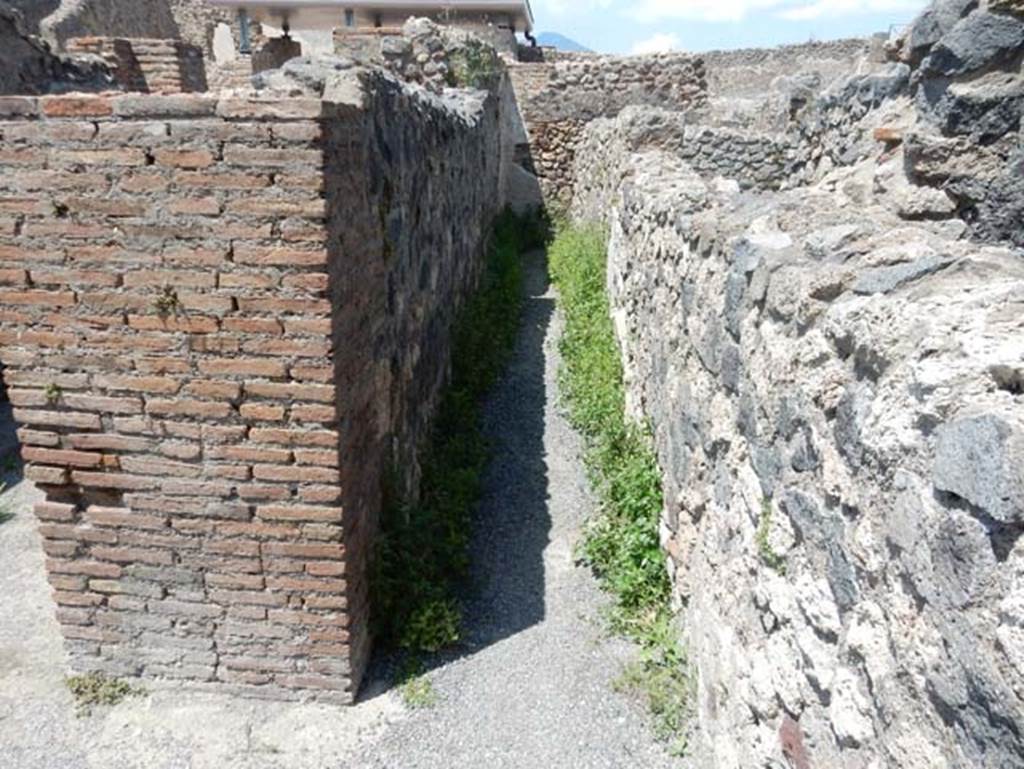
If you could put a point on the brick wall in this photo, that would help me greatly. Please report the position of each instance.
(149, 66)
(201, 307)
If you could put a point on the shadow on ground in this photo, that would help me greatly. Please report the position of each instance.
(10, 456)
(505, 592)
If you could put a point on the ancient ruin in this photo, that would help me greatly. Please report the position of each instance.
(228, 279)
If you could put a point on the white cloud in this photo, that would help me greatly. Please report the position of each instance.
(660, 43)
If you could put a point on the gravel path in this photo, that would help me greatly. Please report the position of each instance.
(534, 687)
(531, 688)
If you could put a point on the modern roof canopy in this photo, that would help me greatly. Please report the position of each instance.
(319, 14)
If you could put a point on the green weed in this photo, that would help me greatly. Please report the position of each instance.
(621, 543)
(661, 677)
(417, 690)
(95, 689)
(771, 559)
(52, 392)
(474, 65)
(421, 554)
(167, 302)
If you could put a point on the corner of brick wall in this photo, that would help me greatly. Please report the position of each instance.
(168, 341)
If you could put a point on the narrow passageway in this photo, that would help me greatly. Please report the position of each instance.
(530, 688)
(535, 686)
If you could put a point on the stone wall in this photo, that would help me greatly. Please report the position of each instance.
(801, 133)
(496, 32)
(969, 92)
(192, 21)
(550, 155)
(196, 21)
(755, 160)
(749, 73)
(221, 320)
(833, 373)
(836, 404)
(112, 18)
(589, 87)
(557, 98)
(730, 127)
(422, 52)
(188, 25)
(439, 58)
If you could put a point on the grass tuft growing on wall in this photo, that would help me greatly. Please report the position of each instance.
(474, 64)
(621, 543)
(769, 557)
(422, 550)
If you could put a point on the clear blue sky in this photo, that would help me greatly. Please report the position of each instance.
(641, 26)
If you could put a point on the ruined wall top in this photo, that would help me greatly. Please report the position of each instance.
(749, 71)
(587, 87)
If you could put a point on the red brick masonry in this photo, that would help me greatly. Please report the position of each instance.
(150, 66)
(166, 329)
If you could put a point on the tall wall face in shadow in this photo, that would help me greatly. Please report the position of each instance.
(29, 66)
(426, 191)
(833, 371)
(222, 318)
(25, 66)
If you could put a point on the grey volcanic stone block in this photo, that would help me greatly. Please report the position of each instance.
(805, 456)
(986, 108)
(823, 530)
(938, 19)
(735, 305)
(872, 89)
(980, 40)
(768, 466)
(971, 695)
(852, 411)
(732, 366)
(981, 459)
(882, 280)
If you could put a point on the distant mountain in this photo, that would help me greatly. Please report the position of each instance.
(561, 42)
